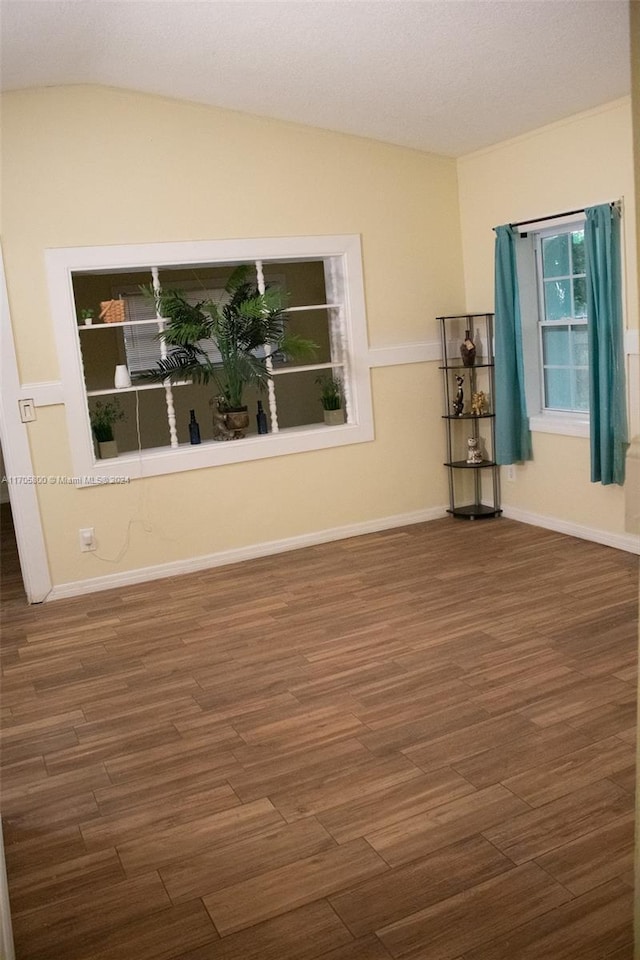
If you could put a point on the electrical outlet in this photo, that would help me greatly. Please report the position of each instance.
(87, 539)
(511, 472)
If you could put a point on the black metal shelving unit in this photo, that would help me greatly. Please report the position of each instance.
(474, 487)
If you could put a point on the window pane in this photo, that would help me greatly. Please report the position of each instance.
(581, 390)
(557, 300)
(102, 349)
(579, 345)
(555, 345)
(557, 389)
(555, 256)
(577, 250)
(580, 297)
(298, 399)
(310, 325)
(303, 280)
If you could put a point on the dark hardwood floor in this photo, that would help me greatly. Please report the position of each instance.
(415, 744)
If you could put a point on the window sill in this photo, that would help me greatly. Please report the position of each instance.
(161, 460)
(564, 424)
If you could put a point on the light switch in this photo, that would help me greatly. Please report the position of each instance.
(27, 410)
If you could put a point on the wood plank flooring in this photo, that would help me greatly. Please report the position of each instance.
(417, 744)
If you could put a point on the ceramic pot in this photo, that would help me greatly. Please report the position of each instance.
(122, 378)
(107, 449)
(238, 421)
(334, 417)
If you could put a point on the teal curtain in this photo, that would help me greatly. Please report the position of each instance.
(607, 392)
(513, 439)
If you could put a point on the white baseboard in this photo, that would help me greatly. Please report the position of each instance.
(620, 541)
(194, 564)
(627, 542)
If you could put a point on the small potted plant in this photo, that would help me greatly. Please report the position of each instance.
(86, 316)
(103, 417)
(331, 399)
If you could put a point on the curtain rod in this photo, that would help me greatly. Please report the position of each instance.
(556, 216)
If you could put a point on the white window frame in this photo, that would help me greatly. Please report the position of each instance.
(541, 418)
(344, 257)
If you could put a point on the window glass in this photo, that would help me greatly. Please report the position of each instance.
(555, 256)
(563, 328)
(557, 299)
(580, 297)
(579, 338)
(577, 250)
(555, 342)
(581, 390)
(557, 389)
(298, 399)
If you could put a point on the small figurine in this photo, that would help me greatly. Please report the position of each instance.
(468, 350)
(479, 403)
(458, 403)
(474, 454)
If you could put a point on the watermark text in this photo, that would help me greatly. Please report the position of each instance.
(59, 480)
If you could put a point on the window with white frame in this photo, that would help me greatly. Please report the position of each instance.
(562, 325)
(552, 287)
(323, 277)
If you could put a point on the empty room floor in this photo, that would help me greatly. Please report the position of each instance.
(416, 744)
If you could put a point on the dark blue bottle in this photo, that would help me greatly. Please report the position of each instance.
(261, 419)
(194, 429)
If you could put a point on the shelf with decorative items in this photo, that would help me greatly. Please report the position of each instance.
(468, 389)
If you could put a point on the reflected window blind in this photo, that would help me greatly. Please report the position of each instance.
(142, 343)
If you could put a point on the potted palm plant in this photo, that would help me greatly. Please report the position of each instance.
(247, 329)
(103, 417)
(331, 399)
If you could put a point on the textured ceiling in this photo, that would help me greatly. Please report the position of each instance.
(448, 76)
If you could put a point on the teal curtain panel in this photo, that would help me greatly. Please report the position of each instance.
(513, 438)
(607, 391)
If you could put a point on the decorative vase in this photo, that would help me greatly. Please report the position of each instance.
(122, 378)
(468, 350)
(334, 417)
(107, 449)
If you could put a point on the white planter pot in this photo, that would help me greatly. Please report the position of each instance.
(334, 417)
(107, 449)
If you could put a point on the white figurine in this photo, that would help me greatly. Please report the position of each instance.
(474, 454)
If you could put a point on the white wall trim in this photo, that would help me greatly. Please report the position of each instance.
(632, 342)
(47, 393)
(252, 552)
(418, 352)
(620, 541)
(51, 392)
(16, 453)
(565, 425)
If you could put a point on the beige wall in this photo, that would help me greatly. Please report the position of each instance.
(584, 160)
(92, 166)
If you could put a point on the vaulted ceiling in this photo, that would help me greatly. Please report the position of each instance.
(448, 76)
